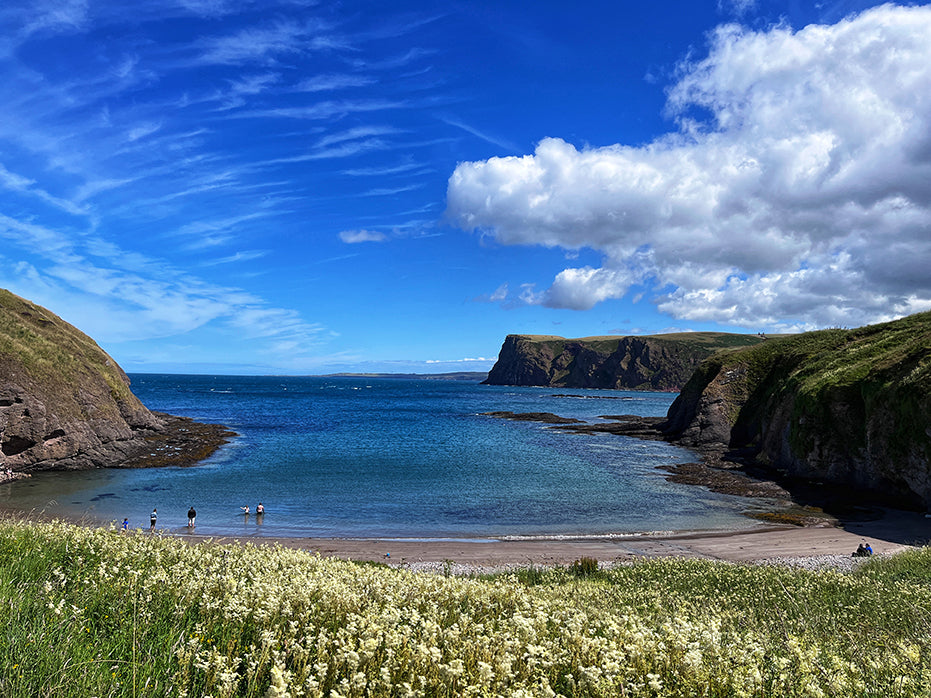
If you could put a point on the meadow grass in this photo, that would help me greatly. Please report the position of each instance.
(94, 612)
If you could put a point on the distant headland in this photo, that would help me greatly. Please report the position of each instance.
(654, 362)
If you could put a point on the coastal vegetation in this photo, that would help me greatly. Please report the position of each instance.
(66, 404)
(849, 407)
(96, 612)
(52, 353)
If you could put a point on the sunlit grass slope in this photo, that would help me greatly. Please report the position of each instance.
(99, 613)
(51, 352)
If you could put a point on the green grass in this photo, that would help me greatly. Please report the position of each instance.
(52, 352)
(860, 393)
(99, 613)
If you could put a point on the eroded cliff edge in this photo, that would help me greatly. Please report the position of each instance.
(66, 404)
(657, 362)
(842, 408)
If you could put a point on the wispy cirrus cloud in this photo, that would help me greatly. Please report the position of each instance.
(332, 82)
(127, 296)
(268, 43)
(18, 183)
(488, 138)
(353, 237)
(325, 110)
(359, 132)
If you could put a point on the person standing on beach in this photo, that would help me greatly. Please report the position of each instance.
(125, 524)
(191, 515)
(153, 517)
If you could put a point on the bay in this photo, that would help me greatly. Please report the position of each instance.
(394, 458)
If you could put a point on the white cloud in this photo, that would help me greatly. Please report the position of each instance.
(797, 186)
(115, 295)
(338, 81)
(265, 44)
(360, 132)
(355, 236)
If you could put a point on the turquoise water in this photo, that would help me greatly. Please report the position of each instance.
(394, 458)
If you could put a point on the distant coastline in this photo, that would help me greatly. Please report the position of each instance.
(477, 376)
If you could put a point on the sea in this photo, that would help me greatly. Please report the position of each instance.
(394, 458)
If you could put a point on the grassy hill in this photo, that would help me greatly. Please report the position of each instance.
(66, 404)
(38, 346)
(845, 406)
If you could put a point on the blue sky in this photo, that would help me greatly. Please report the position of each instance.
(312, 187)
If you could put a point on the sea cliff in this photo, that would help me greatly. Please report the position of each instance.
(66, 404)
(657, 362)
(844, 408)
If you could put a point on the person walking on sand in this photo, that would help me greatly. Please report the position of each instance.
(153, 518)
(191, 515)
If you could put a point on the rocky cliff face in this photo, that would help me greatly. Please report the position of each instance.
(661, 362)
(65, 404)
(846, 408)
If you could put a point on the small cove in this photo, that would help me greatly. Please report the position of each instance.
(394, 458)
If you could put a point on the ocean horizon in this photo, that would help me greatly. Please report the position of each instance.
(394, 458)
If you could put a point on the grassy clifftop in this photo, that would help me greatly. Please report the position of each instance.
(50, 351)
(845, 406)
(653, 362)
(66, 404)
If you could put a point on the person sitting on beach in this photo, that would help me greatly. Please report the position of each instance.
(863, 551)
(260, 509)
(867, 550)
(191, 515)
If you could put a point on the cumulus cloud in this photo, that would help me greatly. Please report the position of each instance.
(796, 190)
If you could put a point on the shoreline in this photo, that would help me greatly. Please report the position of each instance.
(809, 546)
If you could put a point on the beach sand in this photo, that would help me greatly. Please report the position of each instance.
(893, 531)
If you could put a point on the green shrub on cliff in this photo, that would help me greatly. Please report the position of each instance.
(852, 406)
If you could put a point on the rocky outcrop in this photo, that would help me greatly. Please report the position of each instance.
(846, 408)
(65, 404)
(659, 362)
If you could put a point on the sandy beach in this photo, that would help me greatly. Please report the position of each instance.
(891, 532)
(895, 531)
